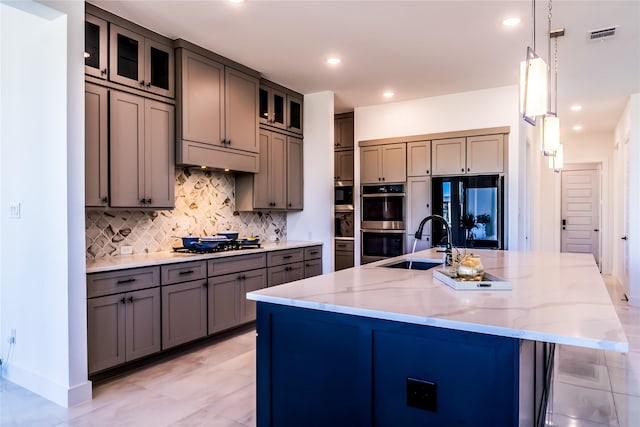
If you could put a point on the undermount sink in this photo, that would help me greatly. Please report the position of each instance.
(415, 264)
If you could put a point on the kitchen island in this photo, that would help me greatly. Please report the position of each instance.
(383, 346)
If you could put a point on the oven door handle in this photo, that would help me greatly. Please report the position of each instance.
(369, 230)
(384, 195)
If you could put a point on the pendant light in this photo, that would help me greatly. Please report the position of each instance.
(551, 122)
(533, 79)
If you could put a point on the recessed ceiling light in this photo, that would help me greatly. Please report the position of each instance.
(576, 107)
(236, 1)
(334, 61)
(510, 22)
(577, 127)
(388, 94)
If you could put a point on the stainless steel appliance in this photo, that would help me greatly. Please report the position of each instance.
(383, 207)
(344, 224)
(344, 196)
(381, 244)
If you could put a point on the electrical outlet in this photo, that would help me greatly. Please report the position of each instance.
(126, 250)
(422, 394)
(14, 210)
(12, 339)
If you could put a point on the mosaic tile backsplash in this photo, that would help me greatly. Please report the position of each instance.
(205, 205)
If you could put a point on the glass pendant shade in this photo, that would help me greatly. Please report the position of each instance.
(533, 86)
(557, 162)
(550, 134)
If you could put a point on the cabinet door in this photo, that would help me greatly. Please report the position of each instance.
(252, 281)
(106, 332)
(223, 299)
(142, 323)
(184, 312)
(159, 68)
(126, 64)
(344, 259)
(419, 158)
(241, 110)
(344, 165)
(201, 99)
(370, 165)
(261, 183)
(159, 154)
(394, 163)
(418, 205)
(343, 132)
(276, 275)
(294, 113)
(448, 156)
(277, 171)
(95, 47)
(295, 186)
(272, 107)
(294, 271)
(96, 153)
(485, 154)
(312, 268)
(127, 150)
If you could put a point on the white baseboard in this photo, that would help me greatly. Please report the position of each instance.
(60, 394)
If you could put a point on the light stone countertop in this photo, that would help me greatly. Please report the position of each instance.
(556, 297)
(157, 258)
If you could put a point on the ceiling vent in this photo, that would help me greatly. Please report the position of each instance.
(602, 34)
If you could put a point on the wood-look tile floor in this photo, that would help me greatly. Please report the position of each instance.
(215, 386)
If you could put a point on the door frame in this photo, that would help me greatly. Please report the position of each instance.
(597, 166)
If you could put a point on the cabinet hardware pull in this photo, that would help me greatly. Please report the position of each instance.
(239, 278)
(307, 265)
(427, 170)
(132, 279)
(623, 238)
(141, 82)
(223, 142)
(595, 229)
(103, 71)
(313, 252)
(186, 272)
(468, 169)
(130, 299)
(123, 300)
(148, 84)
(228, 142)
(383, 178)
(143, 201)
(205, 284)
(462, 170)
(290, 205)
(149, 201)
(287, 256)
(105, 200)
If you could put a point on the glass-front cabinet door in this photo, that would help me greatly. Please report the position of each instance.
(140, 62)
(294, 113)
(272, 107)
(95, 47)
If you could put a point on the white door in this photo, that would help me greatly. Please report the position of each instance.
(581, 211)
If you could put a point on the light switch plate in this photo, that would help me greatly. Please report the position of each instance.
(14, 210)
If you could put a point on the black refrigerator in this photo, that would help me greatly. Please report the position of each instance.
(474, 208)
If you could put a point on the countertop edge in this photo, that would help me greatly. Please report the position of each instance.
(161, 258)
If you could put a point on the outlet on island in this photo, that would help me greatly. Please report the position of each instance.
(422, 394)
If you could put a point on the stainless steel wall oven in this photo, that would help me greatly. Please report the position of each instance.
(382, 225)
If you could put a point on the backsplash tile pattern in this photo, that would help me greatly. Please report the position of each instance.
(205, 204)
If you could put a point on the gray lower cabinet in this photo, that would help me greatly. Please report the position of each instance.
(285, 273)
(312, 261)
(344, 254)
(229, 280)
(122, 327)
(184, 313)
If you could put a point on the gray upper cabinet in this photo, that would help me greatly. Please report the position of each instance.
(485, 154)
(280, 107)
(383, 163)
(279, 184)
(142, 152)
(419, 158)
(217, 114)
(472, 155)
(96, 151)
(418, 207)
(343, 131)
(343, 165)
(448, 156)
(95, 47)
(141, 62)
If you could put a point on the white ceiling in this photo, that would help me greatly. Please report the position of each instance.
(415, 48)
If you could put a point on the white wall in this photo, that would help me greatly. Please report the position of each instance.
(315, 222)
(42, 155)
(462, 111)
(628, 131)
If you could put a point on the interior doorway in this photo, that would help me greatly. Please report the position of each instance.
(580, 199)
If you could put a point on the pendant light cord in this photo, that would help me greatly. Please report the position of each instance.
(549, 56)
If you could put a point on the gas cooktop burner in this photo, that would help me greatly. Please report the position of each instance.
(232, 245)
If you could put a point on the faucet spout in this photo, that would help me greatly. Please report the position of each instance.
(449, 247)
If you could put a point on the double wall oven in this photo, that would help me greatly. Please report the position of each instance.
(382, 226)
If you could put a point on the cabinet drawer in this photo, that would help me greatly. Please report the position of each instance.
(112, 282)
(235, 264)
(183, 272)
(285, 257)
(314, 252)
(344, 245)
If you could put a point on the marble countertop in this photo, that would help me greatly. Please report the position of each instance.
(158, 258)
(556, 297)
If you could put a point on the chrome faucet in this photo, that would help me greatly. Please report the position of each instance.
(448, 260)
